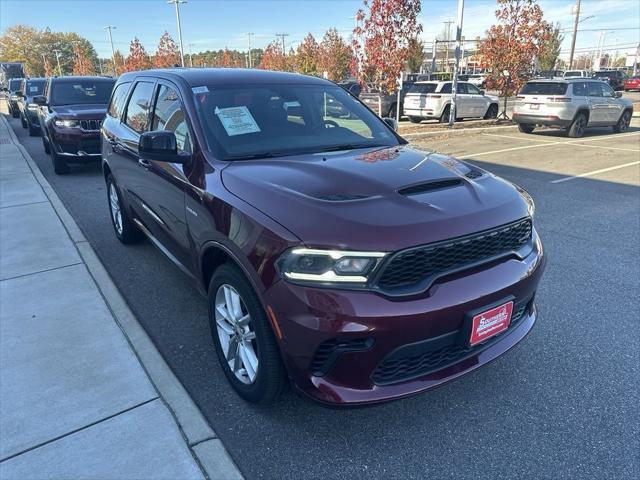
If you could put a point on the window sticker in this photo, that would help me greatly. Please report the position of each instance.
(198, 90)
(237, 120)
(33, 89)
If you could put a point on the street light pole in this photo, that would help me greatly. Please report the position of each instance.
(113, 52)
(249, 59)
(190, 55)
(454, 86)
(177, 4)
(575, 34)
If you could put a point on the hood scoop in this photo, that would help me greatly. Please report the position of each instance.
(340, 198)
(425, 187)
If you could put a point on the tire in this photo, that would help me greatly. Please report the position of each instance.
(257, 348)
(526, 127)
(492, 112)
(45, 143)
(623, 123)
(24, 122)
(123, 226)
(444, 118)
(33, 131)
(392, 110)
(415, 119)
(579, 125)
(60, 166)
(15, 113)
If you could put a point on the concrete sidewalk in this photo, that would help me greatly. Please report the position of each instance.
(83, 391)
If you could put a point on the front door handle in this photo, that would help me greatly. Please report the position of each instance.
(144, 163)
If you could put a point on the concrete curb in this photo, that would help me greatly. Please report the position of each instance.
(207, 450)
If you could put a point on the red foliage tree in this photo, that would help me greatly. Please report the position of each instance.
(167, 54)
(138, 58)
(513, 44)
(82, 63)
(307, 56)
(273, 58)
(382, 39)
(336, 56)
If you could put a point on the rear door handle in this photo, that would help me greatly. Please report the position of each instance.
(144, 163)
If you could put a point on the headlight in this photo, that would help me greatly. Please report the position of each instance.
(67, 123)
(32, 106)
(531, 206)
(332, 266)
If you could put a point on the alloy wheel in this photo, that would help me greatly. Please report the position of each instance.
(114, 204)
(580, 123)
(236, 334)
(625, 121)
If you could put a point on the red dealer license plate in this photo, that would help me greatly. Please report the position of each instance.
(487, 324)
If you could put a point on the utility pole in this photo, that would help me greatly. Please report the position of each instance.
(448, 39)
(575, 33)
(57, 52)
(113, 52)
(249, 59)
(44, 64)
(282, 36)
(177, 4)
(454, 86)
(190, 55)
(433, 57)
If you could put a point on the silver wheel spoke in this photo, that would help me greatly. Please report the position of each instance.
(224, 326)
(244, 320)
(249, 360)
(232, 350)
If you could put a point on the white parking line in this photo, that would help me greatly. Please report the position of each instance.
(530, 139)
(513, 149)
(608, 148)
(595, 172)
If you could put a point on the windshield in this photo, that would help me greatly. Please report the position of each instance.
(544, 88)
(255, 121)
(80, 92)
(604, 73)
(34, 87)
(577, 73)
(423, 88)
(14, 85)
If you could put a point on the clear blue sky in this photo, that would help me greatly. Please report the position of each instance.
(215, 24)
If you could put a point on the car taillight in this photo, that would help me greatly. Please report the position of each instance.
(559, 99)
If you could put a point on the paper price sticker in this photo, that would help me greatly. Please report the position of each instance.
(237, 120)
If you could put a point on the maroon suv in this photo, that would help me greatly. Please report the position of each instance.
(333, 254)
(70, 113)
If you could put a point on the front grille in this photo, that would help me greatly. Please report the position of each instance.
(397, 369)
(90, 125)
(413, 266)
(87, 145)
(329, 351)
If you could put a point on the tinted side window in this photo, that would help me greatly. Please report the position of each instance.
(594, 89)
(169, 115)
(118, 98)
(446, 88)
(139, 106)
(472, 89)
(580, 89)
(607, 91)
(462, 88)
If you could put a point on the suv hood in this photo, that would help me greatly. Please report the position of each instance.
(80, 112)
(358, 199)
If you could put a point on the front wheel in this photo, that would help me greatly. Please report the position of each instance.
(415, 119)
(444, 118)
(244, 341)
(60, 165)
(15, 113)
(492, 112)
(525, 127)
(123, 226)
(579, 125)
(623, 124)
(45, 143)
(23, 121)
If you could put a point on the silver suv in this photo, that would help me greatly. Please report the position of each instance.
(573, 104)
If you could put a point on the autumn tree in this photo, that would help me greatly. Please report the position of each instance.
(167, 55)
(336, 56)
(273, 58)
(137, 58)
(48, 69)
(382, 38)
(307, 56)
(415, 56)
(511, 46)
(82, 64)
(551, 52)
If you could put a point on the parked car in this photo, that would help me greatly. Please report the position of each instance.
(632, 83)
(615, 78)
(573, 104)
(8, 71)
(577, 74)
(432, 100)
(12, 96)
(385, 104)
(70, 114)
(477, 79)
(550, 74)
(333, 255)
(28, 109)
(351, 86)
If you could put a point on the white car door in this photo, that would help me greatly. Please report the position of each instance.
(614, 109)
(464, 107)
(480, 102)
(599, 106)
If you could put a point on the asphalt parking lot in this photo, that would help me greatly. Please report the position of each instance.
(563, 404)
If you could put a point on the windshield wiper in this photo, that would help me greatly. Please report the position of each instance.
(253, 156)
(350, 146)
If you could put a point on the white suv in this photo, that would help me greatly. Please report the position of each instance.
(433, 100)
(577, 74)
(573, 104)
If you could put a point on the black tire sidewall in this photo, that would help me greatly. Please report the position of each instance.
(130, 233)
(271, 377)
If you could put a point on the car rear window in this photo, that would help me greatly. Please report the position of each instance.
(423, 88)
(79, 92)
(604, 73)
(544, 88)
(14, 85)
(35, 87)
(576, 73)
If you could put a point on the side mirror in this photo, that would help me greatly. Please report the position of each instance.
(40, 100)
(481, 92)
(618, 94)
(391, 122)
(161, 146)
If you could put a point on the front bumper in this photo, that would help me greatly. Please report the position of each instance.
(76, 144)
(370, 332)
(547, 120)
